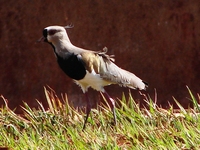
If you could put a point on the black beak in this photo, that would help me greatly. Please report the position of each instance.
(42, 39)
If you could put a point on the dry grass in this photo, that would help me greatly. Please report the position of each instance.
(60, 127)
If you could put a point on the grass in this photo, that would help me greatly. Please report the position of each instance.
(60, 127)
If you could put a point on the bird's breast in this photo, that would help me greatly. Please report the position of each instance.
(72, 65)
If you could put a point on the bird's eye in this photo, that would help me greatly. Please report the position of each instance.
(52, 32)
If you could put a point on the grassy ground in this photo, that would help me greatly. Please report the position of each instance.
(61, 127)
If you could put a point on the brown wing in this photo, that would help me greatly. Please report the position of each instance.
(103, 64)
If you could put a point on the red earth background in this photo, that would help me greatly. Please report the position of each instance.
(157, 40)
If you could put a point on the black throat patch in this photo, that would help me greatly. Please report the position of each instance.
(72, 65)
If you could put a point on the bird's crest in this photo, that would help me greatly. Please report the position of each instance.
(69, 26)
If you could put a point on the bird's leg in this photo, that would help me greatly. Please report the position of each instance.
(112, 105)
(88, 109)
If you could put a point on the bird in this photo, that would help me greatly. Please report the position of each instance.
(88, 68)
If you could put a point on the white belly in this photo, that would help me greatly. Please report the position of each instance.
(92, 80)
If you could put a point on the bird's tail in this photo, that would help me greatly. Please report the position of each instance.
(130, 80)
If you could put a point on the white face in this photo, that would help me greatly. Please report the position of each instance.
(54, 33)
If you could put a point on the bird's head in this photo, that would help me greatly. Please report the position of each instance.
(53, 34)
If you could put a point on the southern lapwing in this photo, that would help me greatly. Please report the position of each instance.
(89, 68)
